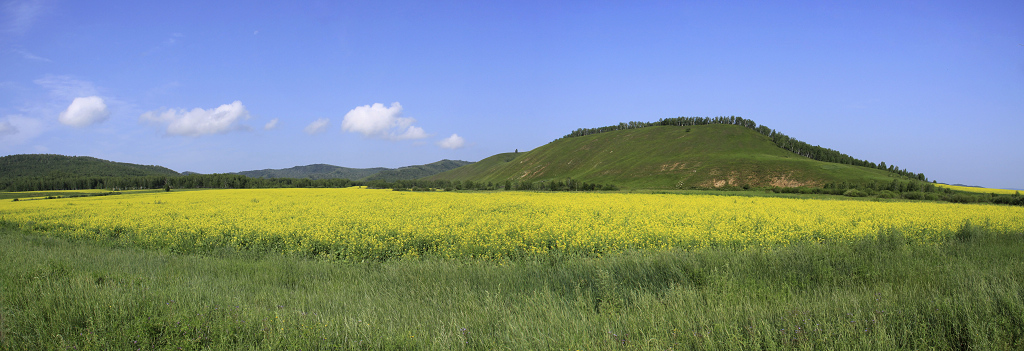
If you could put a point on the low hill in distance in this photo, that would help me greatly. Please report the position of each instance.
(16, 168)
(325, 171)
(59, 166)
(666, 157)
(315, 171)
(416, 172)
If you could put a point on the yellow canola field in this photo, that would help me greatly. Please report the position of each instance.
(980, 190)
(377, 224)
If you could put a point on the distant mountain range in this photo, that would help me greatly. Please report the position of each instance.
(314, 171)
(325, 171)
(60, 166)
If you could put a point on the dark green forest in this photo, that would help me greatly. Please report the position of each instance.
(798, 147)
(237, 181)
(59, 166)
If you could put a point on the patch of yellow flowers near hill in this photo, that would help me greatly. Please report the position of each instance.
(358, 223)
(979, 190)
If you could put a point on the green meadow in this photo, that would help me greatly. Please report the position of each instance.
(878, 293)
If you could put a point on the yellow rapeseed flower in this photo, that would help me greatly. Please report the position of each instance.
(377, 224)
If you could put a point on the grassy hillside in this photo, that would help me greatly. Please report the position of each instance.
(59, 166)
(477, 170)
(416, 172)
(662, 157)
(316, 171)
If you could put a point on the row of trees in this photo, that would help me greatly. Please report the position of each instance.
(907, 189)
(237, 181)
(191, 181)
(896, 185)
(448, 185)
(798, 147)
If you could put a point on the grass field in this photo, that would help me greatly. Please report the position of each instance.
(882, 275)
(871, 294)
(29, 195)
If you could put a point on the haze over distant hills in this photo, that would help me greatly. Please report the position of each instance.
(60, 166)
(325, 171)
(314, 171)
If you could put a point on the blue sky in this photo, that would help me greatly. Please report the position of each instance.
(933, 87)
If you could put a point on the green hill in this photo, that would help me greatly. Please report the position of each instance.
(416, 172)
(59, 166)
(324, 171)
(315, 171)
(666, 157)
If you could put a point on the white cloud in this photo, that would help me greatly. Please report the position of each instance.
(84, 111)
(21, 15)
(168, 43)
(17, 129)
(270, 125)
(6, 128)
(453, 142)
(29, 56)
(382, 122)
(199, 121)
(413, 132)
(173, 39)
(67, 88)
(317, 126)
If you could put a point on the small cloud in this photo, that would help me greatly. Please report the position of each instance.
(6, 128)
(170, 42)
(196, 122)
(29, 56)
(173, 39)
(317, 126)
(413, 132)
(270, 125)
(453, 142)
(84, 111)
(382, 122)
(21, 15)
(66, 88)
(16, 129)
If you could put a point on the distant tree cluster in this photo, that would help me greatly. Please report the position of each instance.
(798, 147)
(450, 185)
(190, 181)
(558, 185)
(16, 166)
(238, 181)
(905, 189)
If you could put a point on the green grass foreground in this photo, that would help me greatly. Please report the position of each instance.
(883, 293)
